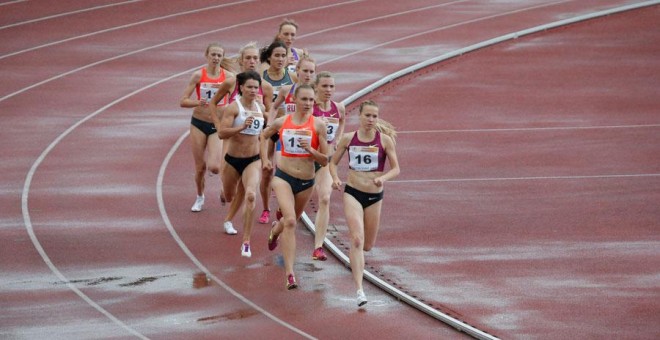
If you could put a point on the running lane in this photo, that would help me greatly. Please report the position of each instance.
(530, 183)
(92, 197)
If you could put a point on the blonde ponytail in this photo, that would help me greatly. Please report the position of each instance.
(387, 128)
(382, 125)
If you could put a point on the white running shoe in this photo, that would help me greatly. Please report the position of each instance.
(229, 228)
(361, 298)
(245, 250)
(199, 203)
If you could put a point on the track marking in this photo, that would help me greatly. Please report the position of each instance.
(532, 178)
(58, 273)
(213, 7)
(448, 27)
(35, 241)
(120, 27)
(26, 212)
(12, 2)
(603, 127)
(68, 13)
(458, 324)
(493, 41)
(381, 18)
(62, 75)
(191, 256)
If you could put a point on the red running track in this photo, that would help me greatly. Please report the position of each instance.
(534, 178)
(89, 120)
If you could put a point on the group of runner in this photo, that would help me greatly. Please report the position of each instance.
(265, 122)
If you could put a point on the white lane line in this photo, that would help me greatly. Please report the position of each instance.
(68, 13)
(35, 241)
(531, 178)
(230, 27)
(28, 182)
(460, 325)
(193, 258)
(493, 41)
(387, 16)
(215, 7)
(554, 128)
(121, 27)
(12, 2)
(26, 211)
(448, 27)
(62, 75)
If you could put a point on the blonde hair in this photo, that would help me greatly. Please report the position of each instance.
(303, 86)
(303, 58)
(213, 44)
(321, 75)
(237, 61)
(250, 45)
(228, 64)
(382, 126)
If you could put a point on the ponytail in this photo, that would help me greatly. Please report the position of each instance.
(387, 128)
(382, 126)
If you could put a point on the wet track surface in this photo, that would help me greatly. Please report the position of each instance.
(526, 206)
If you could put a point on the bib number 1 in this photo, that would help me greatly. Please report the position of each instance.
(291, 139)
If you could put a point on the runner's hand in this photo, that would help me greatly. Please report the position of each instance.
(336, 184)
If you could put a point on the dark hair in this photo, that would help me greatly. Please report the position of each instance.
(243, 77)
(266, 52)
(287, 21)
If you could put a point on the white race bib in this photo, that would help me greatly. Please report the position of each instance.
(290, 108)
(363, 158)
(332, 125)
(207, 91)
(257, 124)
(291, 139)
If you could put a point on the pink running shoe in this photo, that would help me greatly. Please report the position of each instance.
(272, 238)
(319, 254)
(291, 282)
(265, 216)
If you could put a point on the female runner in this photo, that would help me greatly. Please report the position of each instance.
(303, 143)
(368, 147)
(207, 82)
(274, 56)
(333, 114)
(242, 122)
(285, 104)
(287, 32)
(248, 60)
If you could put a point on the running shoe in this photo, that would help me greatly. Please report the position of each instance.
(291, 282)
(229, 228)
(361, 298)
(245, 249)
(199, 203)
(319, 254)
(265, 216)
(278, 214)
(272, 238)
